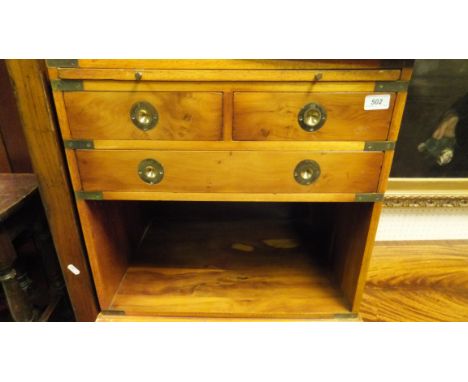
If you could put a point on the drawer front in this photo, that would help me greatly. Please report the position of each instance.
(229, 171)
(291, 116)
(180, 116)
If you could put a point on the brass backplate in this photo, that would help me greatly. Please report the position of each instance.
(144, 115)
(312, 117)
(150, 171)
(307, 172)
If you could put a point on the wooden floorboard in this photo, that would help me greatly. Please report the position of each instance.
(417, 281)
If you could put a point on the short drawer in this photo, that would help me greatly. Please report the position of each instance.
(308, 116)
(229, 171)
(180, 116)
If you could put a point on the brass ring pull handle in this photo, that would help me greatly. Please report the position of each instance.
(144, 115)
(150, 171)
(312, 117)
(307, 172)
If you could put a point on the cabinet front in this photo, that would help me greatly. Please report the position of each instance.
(229, 171)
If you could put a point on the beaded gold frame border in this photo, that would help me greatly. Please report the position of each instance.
(426, 192)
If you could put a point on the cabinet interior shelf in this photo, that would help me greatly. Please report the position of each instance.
(224, 260)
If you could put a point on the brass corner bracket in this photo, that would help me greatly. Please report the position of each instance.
(67, 85)
(391, 86)
(369, 197)
(89, 195)
(379, 146)
(62, 63)
(78, 144)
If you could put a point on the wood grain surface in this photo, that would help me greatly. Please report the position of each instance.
(14, 188)
(182, 115)
(212, 102)
(417, 281)
(274, 116)
(11, 132)
(4, 160)
(38, 120)
(229, 171)
(355, 228)
(231, 75)
(229, 196)
(239, 64)
(113, 144)
(226, 86)
(108, 247)
(242, 268)
(110, 317)
(408, 281)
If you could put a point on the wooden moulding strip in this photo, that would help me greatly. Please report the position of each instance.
(344, 146)
(216, 86)
(238, 64)
(225, 197)
(427, 186)
(229, 75)
(228, 146)
(105, 316)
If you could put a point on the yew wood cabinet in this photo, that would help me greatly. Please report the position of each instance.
(228, 189)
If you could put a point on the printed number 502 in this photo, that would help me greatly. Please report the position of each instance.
(377, 102)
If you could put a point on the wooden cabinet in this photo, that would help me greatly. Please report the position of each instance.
(228, 189)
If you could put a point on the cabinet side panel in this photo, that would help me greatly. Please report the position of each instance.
(355, 229)
(107, 245)
(28, 79)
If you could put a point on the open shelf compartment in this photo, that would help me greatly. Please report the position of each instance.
(227, 260)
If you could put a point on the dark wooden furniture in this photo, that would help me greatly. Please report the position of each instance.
(35, 287)
(14, 156)
(16, 190)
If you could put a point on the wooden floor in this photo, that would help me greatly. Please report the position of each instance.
(417, 281)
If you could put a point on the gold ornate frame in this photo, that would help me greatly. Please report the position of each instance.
(427, 192)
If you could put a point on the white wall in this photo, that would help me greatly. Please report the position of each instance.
(423, 224)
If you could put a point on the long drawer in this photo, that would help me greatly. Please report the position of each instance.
(180, 116)
(229, 171)
(277, 116)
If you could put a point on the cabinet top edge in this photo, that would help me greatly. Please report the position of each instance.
(280, 64)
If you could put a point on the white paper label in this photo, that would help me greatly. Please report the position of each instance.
(73, 269)
(377, 102)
